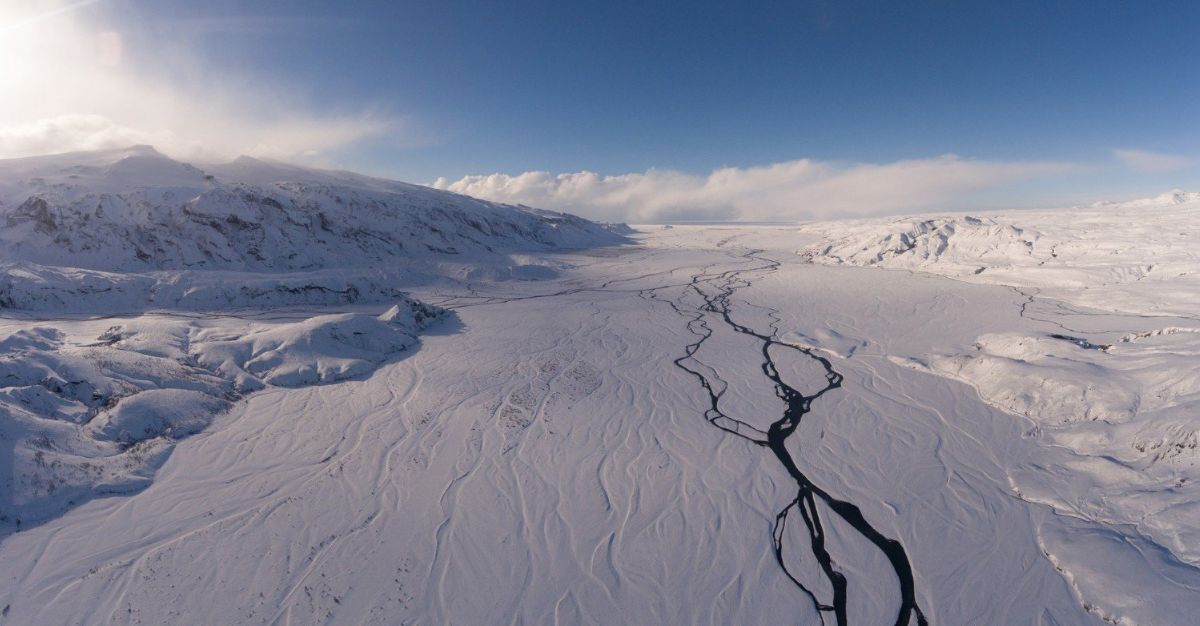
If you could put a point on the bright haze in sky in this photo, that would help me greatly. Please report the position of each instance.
(634, 111)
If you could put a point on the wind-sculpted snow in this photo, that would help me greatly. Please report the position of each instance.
(1105, 369)
(91, 408)
(321, 349)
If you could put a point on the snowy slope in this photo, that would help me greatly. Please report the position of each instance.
(1106, 368)
(135, 209)
(1135, 257)
(93, 407)
(121, 227)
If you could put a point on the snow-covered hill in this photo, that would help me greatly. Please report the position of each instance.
(93, 407)
(1114, 256)
(119, 218)
(135, 209)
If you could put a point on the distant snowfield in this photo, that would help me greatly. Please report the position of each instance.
(512, 444)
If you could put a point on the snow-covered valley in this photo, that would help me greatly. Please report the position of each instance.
(146, 296)
(438, 410)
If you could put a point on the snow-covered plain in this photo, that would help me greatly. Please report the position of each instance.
(603, 441)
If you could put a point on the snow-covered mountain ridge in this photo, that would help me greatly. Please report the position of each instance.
(129, 229)
(137, 210)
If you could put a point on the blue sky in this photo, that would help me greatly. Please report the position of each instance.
(1093, 99)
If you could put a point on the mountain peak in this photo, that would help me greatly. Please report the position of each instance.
(143, 148)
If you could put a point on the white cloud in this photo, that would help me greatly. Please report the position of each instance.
(70, 132)
(1151, 162)
(793, 190)
(72, 84)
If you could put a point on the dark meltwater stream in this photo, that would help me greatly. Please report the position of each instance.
(716, 290)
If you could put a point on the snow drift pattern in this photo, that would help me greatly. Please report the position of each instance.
(93, 413)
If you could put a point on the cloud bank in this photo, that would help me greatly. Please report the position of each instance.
(793, 190)
(1145, 161)
(70, 83)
